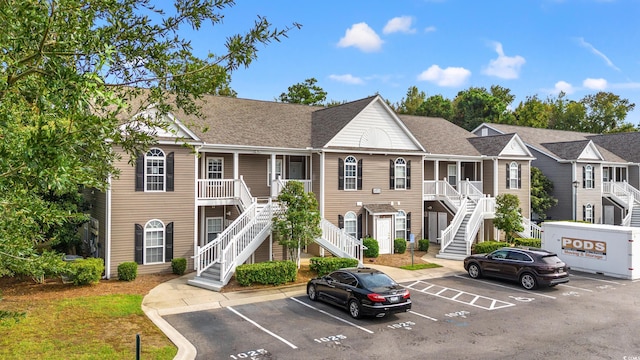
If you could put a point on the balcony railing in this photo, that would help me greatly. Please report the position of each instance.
(280, 183)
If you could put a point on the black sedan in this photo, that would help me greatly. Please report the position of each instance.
(531, 267)
(362, 291)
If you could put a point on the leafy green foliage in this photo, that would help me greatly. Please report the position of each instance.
(179, 266)
(420, 266)
(423, 245)
(399, 246)
(475, 106)
(299, 224)
(487, 246)
(72, 74)
(541, 188)
(85, 271)
(372, 247)
(269, 272)
(128, 271)
(307, 93)
(324, 265)
(534, 243)
(436, 106)
(508, 215)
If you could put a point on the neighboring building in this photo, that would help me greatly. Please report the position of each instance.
(374, 173)
(589, 172)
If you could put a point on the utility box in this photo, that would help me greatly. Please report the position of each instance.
(600, 249)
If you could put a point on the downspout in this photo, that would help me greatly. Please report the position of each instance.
(107, 253)
(195, 209)
(321, 188)
(496, 234)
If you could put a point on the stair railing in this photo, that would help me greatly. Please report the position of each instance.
(471, 191)
(452, 196)
(339, 238)
(627, 219)
(447, 235)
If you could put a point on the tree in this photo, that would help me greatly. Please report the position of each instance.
(605, 112)
(475, 106)
(307, 93)
(436, 106)
(299, 224)
(412, 102)
(541, 188)
(508, 215)
(71, 75)
(533, 112)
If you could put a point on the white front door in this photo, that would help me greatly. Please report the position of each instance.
(383, 235)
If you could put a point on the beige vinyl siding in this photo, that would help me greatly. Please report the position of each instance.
(130, 207)
(523, 192)
(254, 170)
(589, 196)
(227, 165)
(375, 175)
(315, 175)
(429, 170)
(487, 177)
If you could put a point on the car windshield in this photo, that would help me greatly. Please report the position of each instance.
(376, 280)
(551, 259)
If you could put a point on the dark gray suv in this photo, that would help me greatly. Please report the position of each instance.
(531, 267)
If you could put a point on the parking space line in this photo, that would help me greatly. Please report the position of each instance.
(493, 303)
(262, 328)
(424, 316)
(574, 287)
(602, 280)
(506, 287)
(333, 316)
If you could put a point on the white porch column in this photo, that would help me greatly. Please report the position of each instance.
(273, 173)
(236, 172)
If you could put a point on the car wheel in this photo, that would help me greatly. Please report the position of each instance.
(474, 271)
(355, 309)
(528, 281)
(311, 291)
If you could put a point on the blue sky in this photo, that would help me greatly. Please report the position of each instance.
(358, 48)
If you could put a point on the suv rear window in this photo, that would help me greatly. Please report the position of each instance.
(551, 259)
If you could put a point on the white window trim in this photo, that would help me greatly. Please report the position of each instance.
(351, 217)
(355, 173)
(588, 213)
(206, 235)
(148, 230)
(513, 175)
(208, 173)
(452, 174)
(164, 166)
(588, 177)
(401, 215)
(400, 163)
(279, 164)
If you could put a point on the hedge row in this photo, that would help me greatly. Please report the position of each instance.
(325, 265)
(488, 246)
(270, 272)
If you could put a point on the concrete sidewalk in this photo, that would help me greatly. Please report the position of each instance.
(176, 296)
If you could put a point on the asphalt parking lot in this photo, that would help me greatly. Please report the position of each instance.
(591, 317)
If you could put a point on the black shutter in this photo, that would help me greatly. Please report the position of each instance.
(359, 227)
(584, 178)
(408, 181)
(170, 177)
(360, 174)
(593, 177)
(140, 173)
(138, 243)
(341, 221)
(584, 212)
(168, 242)
(519, 176)
(408, 225)
(508, 178)
(392, 175)
(340, 174)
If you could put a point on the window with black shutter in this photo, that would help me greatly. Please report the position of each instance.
(168, 246)
(340, 174)
(170, 177)
(392, 176)
(139, 235)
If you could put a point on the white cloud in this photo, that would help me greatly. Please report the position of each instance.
(399, 24)
(504, 67)
(450, 77)
(429, 29)
(595, 84)
(597, 52)
(347, 79)
(361, 36)
(564, 87)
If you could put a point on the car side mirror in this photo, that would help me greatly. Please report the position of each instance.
(489, 256)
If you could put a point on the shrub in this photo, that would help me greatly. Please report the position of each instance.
(179, 266)
(325, 265)
(85, 271)
(487, 246)
(399, 246)
(269, 272)
(128, 271)
(423, 245)
(372, 248)
(536, 243)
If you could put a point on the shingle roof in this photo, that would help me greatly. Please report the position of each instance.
(380, 208)
(625, 145)
(440, 136)
(491, 145)
(327, 122)
(569, 150)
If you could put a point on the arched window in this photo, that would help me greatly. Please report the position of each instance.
(351, 224)
(588, 213)
(350, 173)
(513, 175)
(400, 173)
(154, 242)
(588, 177)
(401, 225)
(154, 170)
